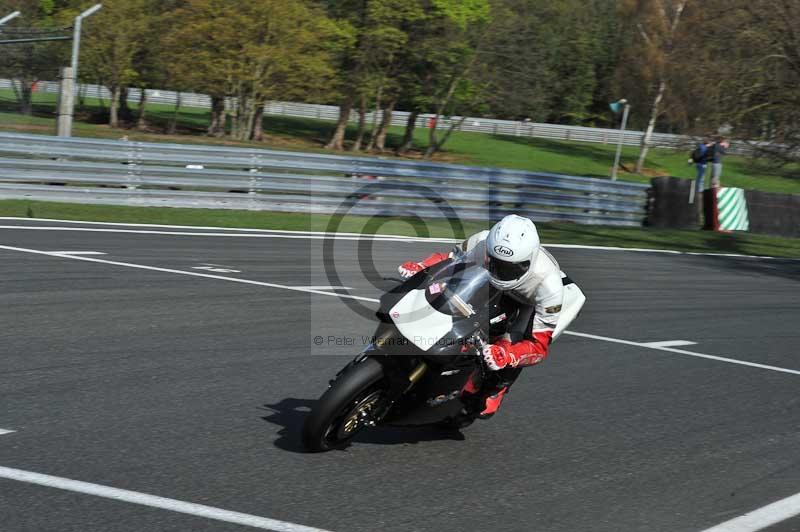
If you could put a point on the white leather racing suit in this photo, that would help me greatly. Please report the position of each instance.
(543, 291)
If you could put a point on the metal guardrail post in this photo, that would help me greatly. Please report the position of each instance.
(133, 167)
(255, 167)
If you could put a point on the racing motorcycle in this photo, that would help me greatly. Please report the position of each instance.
(424, 355)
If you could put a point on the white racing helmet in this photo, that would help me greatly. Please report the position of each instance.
(511, 250)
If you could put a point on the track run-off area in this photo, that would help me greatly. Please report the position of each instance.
(156, 378)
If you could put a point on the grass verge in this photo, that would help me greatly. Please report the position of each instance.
(554, 233)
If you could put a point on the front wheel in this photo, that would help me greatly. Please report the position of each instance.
(346, 407)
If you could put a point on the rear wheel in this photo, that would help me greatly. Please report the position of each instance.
(348, 406)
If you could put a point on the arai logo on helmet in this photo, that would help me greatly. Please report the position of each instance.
(504, 251)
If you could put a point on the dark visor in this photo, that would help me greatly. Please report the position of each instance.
(506, 271)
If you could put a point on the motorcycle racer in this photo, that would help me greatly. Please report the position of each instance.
(533, 289)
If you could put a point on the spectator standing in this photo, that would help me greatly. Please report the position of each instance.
(700, 158)
(718, 149)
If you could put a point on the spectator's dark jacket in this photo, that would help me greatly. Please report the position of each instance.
(715, 153)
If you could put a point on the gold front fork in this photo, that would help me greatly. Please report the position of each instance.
(418, 372)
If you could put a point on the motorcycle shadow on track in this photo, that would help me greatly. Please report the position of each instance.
(290, 413)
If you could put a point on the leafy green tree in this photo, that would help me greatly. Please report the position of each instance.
(577, 51)
(546, 61)
(254, 52)
(200, 50)
(369, 66)
(383, 41)
(28, 63)
(152, 59)
(516, 61)
(449, 52)
(442, 58)
(110, 46)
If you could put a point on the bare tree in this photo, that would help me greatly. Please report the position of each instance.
(657, 26)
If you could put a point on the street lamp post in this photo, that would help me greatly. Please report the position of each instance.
(76, 38)
(615, 107)
(7, 18)
(69, 78)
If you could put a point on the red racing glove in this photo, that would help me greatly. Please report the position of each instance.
(410, 268)
(524, 353)
(497, 356)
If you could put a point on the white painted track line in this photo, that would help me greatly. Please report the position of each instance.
(763, 517)
(337, 236)
(684, 352)
(78, 253)
(667, 251)
(327, 287)
(5, 431)
(216, 269)
(214, 228)
(374, 300)
(318, 235)
(153, 501)
(670, 343)
(184, 272)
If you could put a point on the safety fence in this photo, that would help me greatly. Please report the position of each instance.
(400, 118)
(674, 204)
(176, 175)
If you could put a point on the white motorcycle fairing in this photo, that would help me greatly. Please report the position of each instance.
(418, 321)
(572, 305)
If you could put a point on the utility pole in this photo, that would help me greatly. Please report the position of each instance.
(69, 78)
(615, 107)
(66, 103)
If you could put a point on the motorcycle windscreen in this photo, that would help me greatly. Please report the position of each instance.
(418, 321)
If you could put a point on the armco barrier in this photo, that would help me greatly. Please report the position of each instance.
(175, 175)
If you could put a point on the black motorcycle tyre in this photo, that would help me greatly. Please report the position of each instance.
(354, 384)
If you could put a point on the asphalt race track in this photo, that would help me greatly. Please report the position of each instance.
(181, 366)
